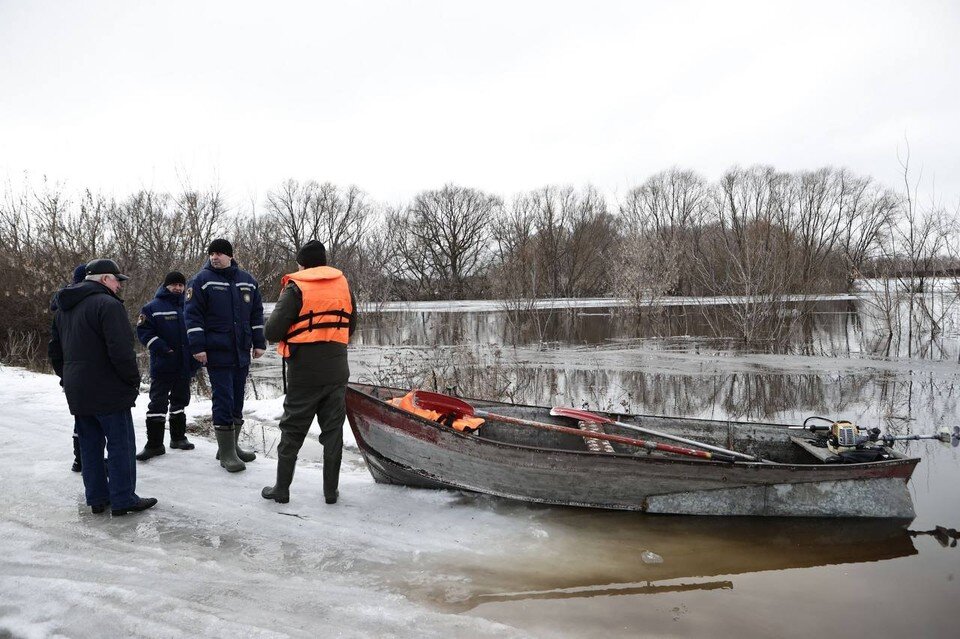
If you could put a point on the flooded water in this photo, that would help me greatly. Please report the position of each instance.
(588, 573)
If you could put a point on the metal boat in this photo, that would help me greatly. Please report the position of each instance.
(529, 464)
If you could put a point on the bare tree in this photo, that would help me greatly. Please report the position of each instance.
(449, 229)
(203, 215)
(259, 248)
(745, 256)
(293, 206)
(341, 219)
(867, 211)
(666, 215)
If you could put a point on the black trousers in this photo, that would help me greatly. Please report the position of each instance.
(172, 390)
(300, 407)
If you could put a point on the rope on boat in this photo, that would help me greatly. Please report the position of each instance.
(595, 445)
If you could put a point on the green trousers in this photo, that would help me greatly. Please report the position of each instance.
(300, 406)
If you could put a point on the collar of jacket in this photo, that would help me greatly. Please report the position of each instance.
(228, 272)
(163, 293)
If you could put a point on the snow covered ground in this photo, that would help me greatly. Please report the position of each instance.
(213, 559)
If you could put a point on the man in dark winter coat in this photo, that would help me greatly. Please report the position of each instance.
(313, 322)
(224, 315)
(162, 329)
(91, 350)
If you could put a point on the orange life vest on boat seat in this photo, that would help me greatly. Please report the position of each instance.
(462, 424)
(326, 311)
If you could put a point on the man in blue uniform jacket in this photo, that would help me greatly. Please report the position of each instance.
(162, 329)
(224, 315)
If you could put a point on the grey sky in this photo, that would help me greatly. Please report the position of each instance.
(401, 96)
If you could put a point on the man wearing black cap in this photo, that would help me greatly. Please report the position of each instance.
(91, 350)
(312, 322)
(224, 314)
(162, 329)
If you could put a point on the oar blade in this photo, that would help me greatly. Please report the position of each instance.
(442, 403)
(580, 415)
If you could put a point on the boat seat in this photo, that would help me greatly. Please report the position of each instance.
(595, 445)
(823, 454)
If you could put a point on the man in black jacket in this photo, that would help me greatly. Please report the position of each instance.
(91, 350)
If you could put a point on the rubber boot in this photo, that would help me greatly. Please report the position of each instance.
(280, 492)
(227, 449)
(243, 453)
(178, 432)
(332, 456)
(77, 465)
(154, 446)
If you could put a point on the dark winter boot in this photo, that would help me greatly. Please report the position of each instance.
(280, 492)
(77, 466)
(243, 453)
(154, 446)
(332, 456)
(178, 432)
(227, 449)
(143, 503)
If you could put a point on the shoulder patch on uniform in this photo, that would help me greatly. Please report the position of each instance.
(189, 293)
(141, 319)
(246, 297)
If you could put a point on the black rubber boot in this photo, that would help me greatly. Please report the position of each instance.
(77, 465)
(332, 457)
(243, 453)
(178, 432)
(280, 492)
(227, 449)
(154, 446)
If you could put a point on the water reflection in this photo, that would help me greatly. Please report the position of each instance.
(575, 554)
(840, 361)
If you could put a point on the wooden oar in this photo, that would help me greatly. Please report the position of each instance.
(586, 416)
(446, 405)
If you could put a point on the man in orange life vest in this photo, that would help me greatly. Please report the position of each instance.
(313, 322)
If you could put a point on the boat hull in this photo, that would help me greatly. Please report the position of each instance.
(404, 449)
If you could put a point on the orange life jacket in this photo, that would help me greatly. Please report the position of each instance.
(406, 403)
(326, 311)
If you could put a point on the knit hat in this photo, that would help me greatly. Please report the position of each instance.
(174, 277)
(79, 273)
(312, 254)
(220, 245)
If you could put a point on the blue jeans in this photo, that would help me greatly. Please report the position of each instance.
(227, 384)
(115, 432)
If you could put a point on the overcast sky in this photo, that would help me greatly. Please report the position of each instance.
(506, 96)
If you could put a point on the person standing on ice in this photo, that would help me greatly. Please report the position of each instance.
(224, 315)
(79, 273)
(312, 322)
(162, 329)
(91, 350)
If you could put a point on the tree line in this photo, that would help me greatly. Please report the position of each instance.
(755, 232)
